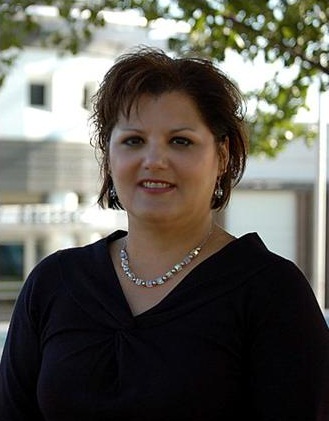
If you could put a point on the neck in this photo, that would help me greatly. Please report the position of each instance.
(161, 264)
(165, 237)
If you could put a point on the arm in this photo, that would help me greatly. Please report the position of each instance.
(20, 364)
(289, 348)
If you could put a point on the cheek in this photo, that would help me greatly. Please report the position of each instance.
(123, 173)
(117, 160)
(207, 165)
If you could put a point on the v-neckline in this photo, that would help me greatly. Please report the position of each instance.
(179, 287)
(120, 289)
(91, 280)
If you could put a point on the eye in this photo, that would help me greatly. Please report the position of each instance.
(181, 141)
(133, 141)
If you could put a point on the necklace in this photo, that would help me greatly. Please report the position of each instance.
(192, 254)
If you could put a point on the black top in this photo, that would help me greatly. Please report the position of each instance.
(241, 337)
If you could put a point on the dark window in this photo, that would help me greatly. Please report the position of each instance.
(37, 94)
(11, 262)
(86, 98)
(89, 91)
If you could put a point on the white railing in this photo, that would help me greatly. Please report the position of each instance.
(55, 214)
(38, 214)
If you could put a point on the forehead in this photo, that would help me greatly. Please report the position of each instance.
(177, 103)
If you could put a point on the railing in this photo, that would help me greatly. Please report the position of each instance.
(38, 214)
(55, 214)
(80, 223)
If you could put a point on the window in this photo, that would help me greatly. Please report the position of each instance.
(37, 94)
(88, 91)
(11, 262)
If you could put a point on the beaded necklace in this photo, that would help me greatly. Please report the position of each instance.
(160, 280)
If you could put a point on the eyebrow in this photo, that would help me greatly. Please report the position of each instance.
(134, 129)
(181, 129)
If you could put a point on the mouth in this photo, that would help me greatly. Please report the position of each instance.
(156, 185)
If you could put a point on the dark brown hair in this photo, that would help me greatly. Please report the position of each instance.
(151, 71)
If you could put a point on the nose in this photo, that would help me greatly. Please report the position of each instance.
(155, 156)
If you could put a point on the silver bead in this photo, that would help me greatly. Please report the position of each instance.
(169, 274)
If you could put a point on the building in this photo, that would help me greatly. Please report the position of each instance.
(49, 174)
(48, 171)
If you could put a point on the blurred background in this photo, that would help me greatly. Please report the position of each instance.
(54, 54)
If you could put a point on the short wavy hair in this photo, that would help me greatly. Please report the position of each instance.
(148, 70)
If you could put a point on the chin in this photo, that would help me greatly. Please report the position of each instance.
(156, 215)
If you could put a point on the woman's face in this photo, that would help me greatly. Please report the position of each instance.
(164, 160)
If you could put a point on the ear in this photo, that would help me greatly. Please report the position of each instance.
(223, 156)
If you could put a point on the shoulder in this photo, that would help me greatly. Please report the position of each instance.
(275, 287)
(261, 262)
(76, 257)
(266, 267)
(62, 271)
(52, 263)
(71, 263)
(247, 265)
(47, 276)
(49, 272)
(248, 258)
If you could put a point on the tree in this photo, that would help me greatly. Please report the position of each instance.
(291, 34)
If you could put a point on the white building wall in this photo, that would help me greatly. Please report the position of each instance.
(65, 76)
(272, 214)
(63, 117)
(297, 163)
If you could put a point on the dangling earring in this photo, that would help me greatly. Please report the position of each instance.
(113, 193)
(218, 193)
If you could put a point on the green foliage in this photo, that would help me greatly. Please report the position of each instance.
(290, 34)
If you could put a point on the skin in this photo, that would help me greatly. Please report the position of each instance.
(164, 162)
(164, 165)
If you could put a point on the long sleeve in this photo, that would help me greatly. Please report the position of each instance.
(242, 336)
(23, 353)
(289, 348)
(20, 363)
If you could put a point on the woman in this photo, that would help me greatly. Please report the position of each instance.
(175, 319)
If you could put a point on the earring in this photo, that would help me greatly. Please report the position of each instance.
(113, 193)
(218, 193)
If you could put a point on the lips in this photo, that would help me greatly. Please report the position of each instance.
(155, 184)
